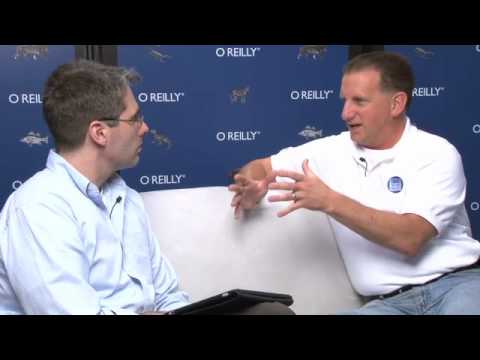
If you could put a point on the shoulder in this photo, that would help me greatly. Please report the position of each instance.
(135, 199)
(435, 155)
(39, 200)
(332, 142)
(39, 186)
(45, 188)
(434, 146)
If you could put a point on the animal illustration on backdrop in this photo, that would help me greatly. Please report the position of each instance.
(34, 138)
(240, 95)
(423, 53)
(312, 51)
(34, 51)
(161, 139)
(311, 132)
(159, 55)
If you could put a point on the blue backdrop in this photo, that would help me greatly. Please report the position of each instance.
(212, 108)
(25, 139)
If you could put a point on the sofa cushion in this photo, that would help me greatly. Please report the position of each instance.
(212, 252)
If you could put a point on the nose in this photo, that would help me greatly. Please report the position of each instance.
(347, 112)
(144, 129)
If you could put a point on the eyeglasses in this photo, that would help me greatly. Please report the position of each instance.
(135, 119)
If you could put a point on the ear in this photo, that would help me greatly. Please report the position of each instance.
(98, 133)
(399, 103)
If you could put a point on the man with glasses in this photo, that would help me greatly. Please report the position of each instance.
(74, 238)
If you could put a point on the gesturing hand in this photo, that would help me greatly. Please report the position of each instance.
(248, 192)
(308, 191)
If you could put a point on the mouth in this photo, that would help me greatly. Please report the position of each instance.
(353, 126)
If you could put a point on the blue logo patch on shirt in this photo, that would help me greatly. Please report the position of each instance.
(395, 184)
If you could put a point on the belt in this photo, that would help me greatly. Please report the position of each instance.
(409, 287)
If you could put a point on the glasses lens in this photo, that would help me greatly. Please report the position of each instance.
(139, 118)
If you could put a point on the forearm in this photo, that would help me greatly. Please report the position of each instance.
(168, 294)
(406, 233)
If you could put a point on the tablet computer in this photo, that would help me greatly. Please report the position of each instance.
(231, 301)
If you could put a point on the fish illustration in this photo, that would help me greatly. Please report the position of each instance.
(34, 138)
(159, 55)
(312, 50)
(311, 132)
(34, 51)
(161, 139)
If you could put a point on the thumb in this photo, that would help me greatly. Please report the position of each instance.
(270, 177)
(306, 168)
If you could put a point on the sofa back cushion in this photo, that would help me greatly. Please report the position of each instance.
(212, 252)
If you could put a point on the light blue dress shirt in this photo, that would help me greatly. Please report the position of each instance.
(61, 253)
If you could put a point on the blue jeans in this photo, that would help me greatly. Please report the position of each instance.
(454, 294)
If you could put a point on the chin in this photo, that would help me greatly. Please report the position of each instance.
(131, 164)
(355, 138)
(135, 161)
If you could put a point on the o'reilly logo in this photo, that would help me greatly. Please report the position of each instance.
(428, 91)
(161, 97)
(162, 179)
(237, 52)
(301, 95)
(237, 136)
(27, 98)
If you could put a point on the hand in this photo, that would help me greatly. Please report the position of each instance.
(308, 191)
(248, 192)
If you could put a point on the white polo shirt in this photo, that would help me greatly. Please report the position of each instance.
(422, 174)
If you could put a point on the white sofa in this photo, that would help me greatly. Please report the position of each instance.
(212, 252)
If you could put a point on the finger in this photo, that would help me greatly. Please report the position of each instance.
(298, 196)
(235, 188)
(306, 167)
(241, 179)
(281, 186)
(236, 200)
(290, 174)
(237, 212)
(270, 177)
(283, 197)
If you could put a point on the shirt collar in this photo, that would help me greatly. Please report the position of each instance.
(378, 156)
(86, 187)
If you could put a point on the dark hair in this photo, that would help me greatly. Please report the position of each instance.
(395, 71)
(77, 93)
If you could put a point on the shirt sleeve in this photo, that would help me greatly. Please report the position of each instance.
(168, 295)
(46, 261)
(316, 151)
(437, 189)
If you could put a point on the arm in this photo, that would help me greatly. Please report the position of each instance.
(46, 261)
(168, 295)
(251, 185)
(406, 233)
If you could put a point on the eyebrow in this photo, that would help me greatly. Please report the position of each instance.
(359, 98)
(138, 112)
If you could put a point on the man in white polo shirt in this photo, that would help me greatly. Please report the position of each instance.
(395, 195)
